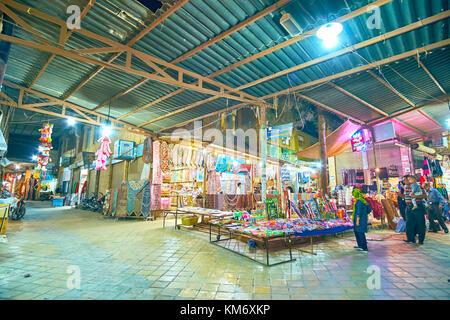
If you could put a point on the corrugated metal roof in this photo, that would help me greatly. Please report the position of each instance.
(200, 20)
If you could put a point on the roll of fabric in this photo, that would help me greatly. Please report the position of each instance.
(164, 150)
(157, 174)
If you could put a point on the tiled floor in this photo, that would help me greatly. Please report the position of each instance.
(140, 260)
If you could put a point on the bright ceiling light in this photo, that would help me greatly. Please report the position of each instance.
(71, 121)
(106, 131)
(34, 157)
(329, 33)
(41, 148)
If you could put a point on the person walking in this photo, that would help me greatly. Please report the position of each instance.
(418, 210)
(436, 204)
(361, 209)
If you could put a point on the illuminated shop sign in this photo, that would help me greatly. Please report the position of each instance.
(361, 141)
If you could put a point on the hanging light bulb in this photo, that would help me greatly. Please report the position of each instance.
(106, 131)
(71, 121)
(329, 33)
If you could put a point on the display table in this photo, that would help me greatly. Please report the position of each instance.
(230, 233)
(210, 213)
(287, 237)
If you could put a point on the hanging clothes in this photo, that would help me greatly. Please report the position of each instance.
(426, 167)
(359, 176)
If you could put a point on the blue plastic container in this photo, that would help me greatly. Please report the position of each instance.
(57, 202)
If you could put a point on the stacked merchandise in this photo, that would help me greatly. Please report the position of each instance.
(137, 198)
(316, 216)
(156, 188)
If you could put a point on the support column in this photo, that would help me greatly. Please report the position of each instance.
(97, 181)
(323, 183)
(110, 169)
(263, 154)
(125, 170)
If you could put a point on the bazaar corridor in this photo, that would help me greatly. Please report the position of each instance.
(141, 260)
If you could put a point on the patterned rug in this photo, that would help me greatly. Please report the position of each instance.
(145, 203)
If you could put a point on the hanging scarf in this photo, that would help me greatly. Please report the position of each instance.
(358, 196)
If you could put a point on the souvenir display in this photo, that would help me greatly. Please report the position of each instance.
(45, 147)
(103, 153)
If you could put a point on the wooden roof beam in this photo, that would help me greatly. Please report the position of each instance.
(64, 36)
(328, 108)
(190, 53)
(130, 43)
(431, 76)
(219, 91)
(401, 96)
(359, 69)
(127, 126)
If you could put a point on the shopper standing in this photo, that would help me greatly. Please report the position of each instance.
(436, 204)
(361, 210)
(418, 211)
(410, 235)
(401, 197)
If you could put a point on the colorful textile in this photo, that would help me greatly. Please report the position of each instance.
(121, 210)
(155, 202)
(103, 153)
(145, 207)
(137, 186)
(114, 197)
(130, 202)
(157, 174)
(147, 153)
(164, 151)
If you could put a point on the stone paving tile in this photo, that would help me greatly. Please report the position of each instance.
(132, 260)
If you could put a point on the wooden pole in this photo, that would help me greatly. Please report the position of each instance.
(205, 185)
(125, 170)
(263, 155)
(323, 153)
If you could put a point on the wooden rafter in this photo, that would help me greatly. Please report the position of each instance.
(64, 36)
(98, 50)
(363, 102)
(126, 126)
(346, 17)
(130, 43)
(363, 44)
(401, 96)
(23, 24)
(236, 107)
(410, 127)
(152, 103)
(328, 108)
(158, 21)
(240, 96)
(176, 111)
(280, 46)
(365, 67)
(353, 71)
(190, 53)
(369, 105)
(431, 76)
(407, 110)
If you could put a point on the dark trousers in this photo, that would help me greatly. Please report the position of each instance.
(410, 224)
(361, 240)
(435, 213)
(420, 227)
(402, 208)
